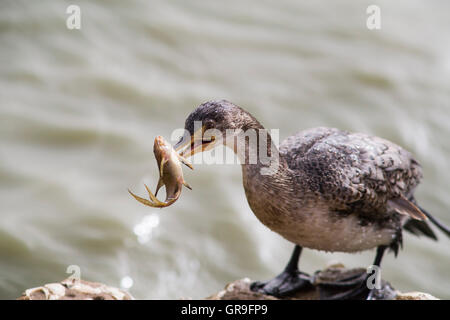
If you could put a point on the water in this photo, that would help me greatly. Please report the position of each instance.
(79, 111)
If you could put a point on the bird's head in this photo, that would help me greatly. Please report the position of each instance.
(211, 123)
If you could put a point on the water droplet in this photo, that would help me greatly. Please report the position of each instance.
(144, 229)
(126, 282)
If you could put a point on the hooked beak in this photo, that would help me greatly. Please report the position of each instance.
(192, 144)
(184, 142)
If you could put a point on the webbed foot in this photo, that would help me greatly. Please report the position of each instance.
(286, 283)
(360, 291)
(350, 288)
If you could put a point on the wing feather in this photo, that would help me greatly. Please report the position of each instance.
(354, 171)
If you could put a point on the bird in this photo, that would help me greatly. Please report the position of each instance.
(329, 190)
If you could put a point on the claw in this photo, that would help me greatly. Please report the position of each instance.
(157, 203)
(170, 175)
(142, 200)
(185, 161)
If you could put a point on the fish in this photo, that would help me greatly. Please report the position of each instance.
(170, 175)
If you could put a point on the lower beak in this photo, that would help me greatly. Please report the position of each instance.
(191, 144)
(184, 145)
(187, 147)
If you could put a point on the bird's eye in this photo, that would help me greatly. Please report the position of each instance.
(209, 124)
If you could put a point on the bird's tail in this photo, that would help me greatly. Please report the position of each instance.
(436, 222)
(419, 228)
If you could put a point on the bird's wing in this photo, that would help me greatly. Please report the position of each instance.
(354, 171)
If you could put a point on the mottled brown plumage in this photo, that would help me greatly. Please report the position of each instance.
(329, 190)
(354, 171)
(334, 190)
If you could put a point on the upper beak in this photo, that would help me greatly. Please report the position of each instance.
(185, 146)
(184, 142)
(192, 144)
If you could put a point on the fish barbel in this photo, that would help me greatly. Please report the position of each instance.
(170, 174)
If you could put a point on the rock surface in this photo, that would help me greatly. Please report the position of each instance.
(72, 289)
(415, 296)
(323, 285)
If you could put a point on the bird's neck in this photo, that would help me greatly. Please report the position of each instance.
(263, 166)
(259, 155)
(269, 187)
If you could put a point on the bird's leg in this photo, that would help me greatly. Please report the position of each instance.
(289, 281)
(359, 285)
(377, 263)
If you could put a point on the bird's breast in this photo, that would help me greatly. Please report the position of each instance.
(312, 225)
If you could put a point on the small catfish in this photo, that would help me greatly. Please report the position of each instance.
(170, 174)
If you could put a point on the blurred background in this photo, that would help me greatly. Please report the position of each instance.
(79, 110)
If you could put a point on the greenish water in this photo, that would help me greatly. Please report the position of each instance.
(79, 110)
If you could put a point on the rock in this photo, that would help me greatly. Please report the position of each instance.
(239, 290)
(325, 284)
(72, 289)
(415, 296)
(331, 281)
